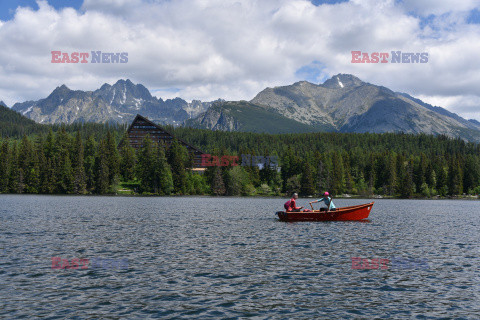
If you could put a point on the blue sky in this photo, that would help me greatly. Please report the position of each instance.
(320, 2)
(8, 7)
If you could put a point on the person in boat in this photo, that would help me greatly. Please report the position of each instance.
(328, 202)
(291, 205)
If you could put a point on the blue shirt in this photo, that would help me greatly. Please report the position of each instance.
(328, 202)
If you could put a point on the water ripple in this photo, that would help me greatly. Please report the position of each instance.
(197, 257)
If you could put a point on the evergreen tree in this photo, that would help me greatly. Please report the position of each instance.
(65, 182)
(89, 164)
(112, 158)
(146, 165)
(348, 174)
(420, 170)
(324, 173)
(163, 175)
(49, 180)
(455, 178)
(471, 177)
(49, 147)
(391, 174)
(128, 159)
(338, 183)
(28, 163)
(101, 169)
(371, 174)
(16, 178)
(306, 183)
(4, 166)
(406, 187)
(80, 179)
(218, 185)
(293, 184)
(177, 158)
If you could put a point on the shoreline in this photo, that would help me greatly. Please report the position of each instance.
(466, 197)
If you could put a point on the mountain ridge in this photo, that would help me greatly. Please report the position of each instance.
(348, 104)
(343, 103)
(119, 103)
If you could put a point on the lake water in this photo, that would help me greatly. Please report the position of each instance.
(195, 257)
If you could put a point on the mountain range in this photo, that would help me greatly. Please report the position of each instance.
(343, 103)
(118, 103)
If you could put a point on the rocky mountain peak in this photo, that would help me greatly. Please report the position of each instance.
(119, 102)
(61, 90)
(59, 94)
(2, 103)
(341, 81)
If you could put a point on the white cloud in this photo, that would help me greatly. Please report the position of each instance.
(438, 7)
(468, 105)
(209, 49)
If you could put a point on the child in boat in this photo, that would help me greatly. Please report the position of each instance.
(328, 202)
(291, 206)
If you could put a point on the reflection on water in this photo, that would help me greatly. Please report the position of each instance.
(193, 257)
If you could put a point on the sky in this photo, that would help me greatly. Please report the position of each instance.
(231, 49)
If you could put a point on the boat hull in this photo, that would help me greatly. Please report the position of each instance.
(353, 213)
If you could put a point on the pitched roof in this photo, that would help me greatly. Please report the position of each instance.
(139, 117)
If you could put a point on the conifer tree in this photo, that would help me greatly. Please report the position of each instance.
(28, 163)
(4, 166)
(176, 159)
(128, 159)
(306, 183)
(391, 174)
(218, 185)
(407, 188)
(471, 176)
(338, 183)
(79, 180)
(49, 176)
(89, 163)
(112, 158)
(102, 174)
(163, 175)
(15, 180)
(146, 165)
(65, 182)
(455, 177)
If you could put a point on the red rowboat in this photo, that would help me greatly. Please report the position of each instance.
(340, 214)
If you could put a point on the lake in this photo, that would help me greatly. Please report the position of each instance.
(205, 257)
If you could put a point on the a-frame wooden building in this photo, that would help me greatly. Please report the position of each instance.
(141, 127)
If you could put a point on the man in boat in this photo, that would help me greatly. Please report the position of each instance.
(291, 205)
(328, 202)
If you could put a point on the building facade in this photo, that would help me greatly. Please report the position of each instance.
(141, 127)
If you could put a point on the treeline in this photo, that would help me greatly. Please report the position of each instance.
(63, 163)
(93, 162)
(395, 164)
(13, 125)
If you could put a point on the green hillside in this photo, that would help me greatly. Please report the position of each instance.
(13, 124)
(253, 118)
